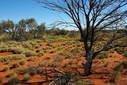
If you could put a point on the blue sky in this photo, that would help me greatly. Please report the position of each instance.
(21, 9)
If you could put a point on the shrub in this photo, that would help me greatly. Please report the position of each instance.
(32, 58)
(82, 83)
(75, 50)
(18, 50)
(15, 65)
(30, 70)
(53, 51)
(58, 60)
(102, 55)
(125, 53)
(13, 81)
(17, 56)
(22, 62)
(26, 77)
(41, 53)
(13, 57)
(10, 74)
(114, 77)
(125, 64)
(50, 45)
(6, 68)
(119, 50)
(29, 53)
(1, 81)
(120, 66)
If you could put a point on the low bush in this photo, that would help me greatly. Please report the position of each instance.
(10, 74)
(114, 77)
(15, 65)
(125, 64)
(18, 50)
(6, 68)
(13, 81)
(30, 70)
(27, 77)
(102, 55)
(119, 50)
(12, 57)
(120, 66)
(22, 62)
(29, 53)
(82, 83)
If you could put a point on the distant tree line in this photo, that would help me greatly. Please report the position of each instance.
(27, 29)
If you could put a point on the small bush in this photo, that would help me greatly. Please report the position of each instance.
(102, 55)
(13, 57)
(121, 66)
(32, 58)
(15, 65)
(6, 68)
(22, 62)
(30, 70)
(13, 81)
(53, 51)
(82, 83)
(29, 53)
(125, 64)
(26, 77)
(125, 53)
(119, 50)
(114, 77)
(10, 74)
(41, 53)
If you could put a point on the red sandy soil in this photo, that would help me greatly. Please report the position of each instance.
(102, 68)
(5, 54)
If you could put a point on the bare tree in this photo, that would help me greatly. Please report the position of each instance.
(92, 17)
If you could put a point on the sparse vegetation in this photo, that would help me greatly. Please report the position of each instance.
(26, 77)
(82, 83)
(37, 53)
(13, 81)
(102, 55)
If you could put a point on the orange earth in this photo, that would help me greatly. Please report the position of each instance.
(102, 68)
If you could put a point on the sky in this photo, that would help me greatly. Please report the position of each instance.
(22, 9)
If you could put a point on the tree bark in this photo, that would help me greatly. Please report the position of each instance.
(88, 64)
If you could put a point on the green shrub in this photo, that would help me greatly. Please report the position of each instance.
(53, 51)
(114, 77)
(22, 62)
(32, 58)
(118, 67)
(125, 53)
(15, 65)
(50, 45)
(26, 77)
(82, 83)
(30, 70)
(58, 60)
(13, 81)
(12, 57)
(102, 55)
(29, 53)
(10, 74)
(75, 50)
(41, 53)
(125, 64)
(18, 50)
(1, 80)
(119, 50)
(6, 68)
